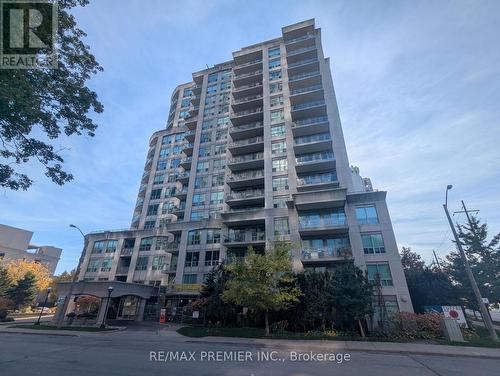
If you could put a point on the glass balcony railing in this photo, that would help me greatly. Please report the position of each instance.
(247, 99)
(314, 221)
(303, 75)
(298, 39)
(301, 50)
(249, 74)
(313, 138)
(330, 177)
(303, 106)
(252, 174)
(303, 62)
(247, 158)
(245, 236)
(247, 112)
(310, 121)
(248, 63)
(314, 157)
(247, 141)
(306, 89)
(244, 87)
(253, 125)
(323, 253)
(235, 195)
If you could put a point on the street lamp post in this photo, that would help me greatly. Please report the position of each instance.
(62, 312)
(110, 290)
(468, 270)
(49, 289)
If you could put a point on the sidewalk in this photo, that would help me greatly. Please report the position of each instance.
(346, 346)
(64, 333)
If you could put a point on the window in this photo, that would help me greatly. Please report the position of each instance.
(193, 237)
(174, 163)
(278, 147)
(207, 124)
(158, 262)
(216, 198)
(186, 102)
(164, 152)
(223, 110)
(187, 93)
(145, 244)
(162, 165)
(204, 151)
(172, 178)
(225, 86)
(225, 75)
(213, 236)
(277, 101)
(280, 184)
(210, 100)
(142, 263)
(149, 224)
(278, 131)
(279, 202)
(383, 271)
(221, 135)
(167, 139)
(156, 194)
(199, 199)
(152, 209)
(205, 137)
(202, 167)
(219, 164)
(281, 226)
(106, 265)
(209, 112)
(189, 279)
(276, 87)
(212, 258)
(192, 259)
(274, 63)
(373, 243)
(161, 243)
(92, 266)
(214, 213)
(213, 77)
(98, 246)
(280, 165)
(366, 215)
(217, 180)
(222, 122)
(211, 89)
(273, 52)
(179, 137)
(197, 215)
(111, 246)
(220, 149)
(277, 115)
(201, 182)
(275, 75)
(158, 179)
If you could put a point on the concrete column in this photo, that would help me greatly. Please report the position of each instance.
(140, 311)
(102, 310)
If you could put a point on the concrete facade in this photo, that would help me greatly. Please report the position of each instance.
(253, 151)
(15, 245)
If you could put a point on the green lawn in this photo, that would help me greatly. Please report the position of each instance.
(196, 332)
(72, 328)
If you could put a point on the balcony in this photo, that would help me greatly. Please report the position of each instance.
(186, 163)
(246, 162)
(181, 193)
(126, 252)
(248, 197)
(177, 210)
(318, 181)
(247, 116)
(248, 66)
(195, 100)
(302, 66)
(313, 143)
(308, 126)
(325, 254)
(304, 80)
(319, 223)
(142, 190)
(247, 90)
(246, 78)
(244, 217)
(196, 89)
(299, 54)
(247, 145)
(191, 122)
(183, 177)
(139, 203)
(247, 102)
(250, 178)
(306, 94)
(248, 130)
(315, 200)
(245, 238)
(315, 162)
(193, 288)
(188, 149)
(190, 135)
(302, 41)
(145, 177)
(122, 270)
(309, 109)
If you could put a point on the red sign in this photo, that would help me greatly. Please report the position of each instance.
(163, 316)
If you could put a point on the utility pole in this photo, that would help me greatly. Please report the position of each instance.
(475, 288)
(437, 260)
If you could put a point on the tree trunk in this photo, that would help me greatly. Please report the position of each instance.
(266, 318)
(361, 328)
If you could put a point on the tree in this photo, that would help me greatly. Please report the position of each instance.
(37, 105)
(263, 282)
(426, 285)
(17, 269)
(63, 277)
(350, 293)
(411, 260)
(5, 282)
(23, 292)
(484, 259)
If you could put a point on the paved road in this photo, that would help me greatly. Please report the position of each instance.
(128, 353)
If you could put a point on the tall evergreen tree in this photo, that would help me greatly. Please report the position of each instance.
(5, 282)
(24, 291)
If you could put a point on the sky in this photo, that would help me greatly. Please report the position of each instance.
(417, 84)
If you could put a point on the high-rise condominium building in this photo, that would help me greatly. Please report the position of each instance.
(252, 152)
